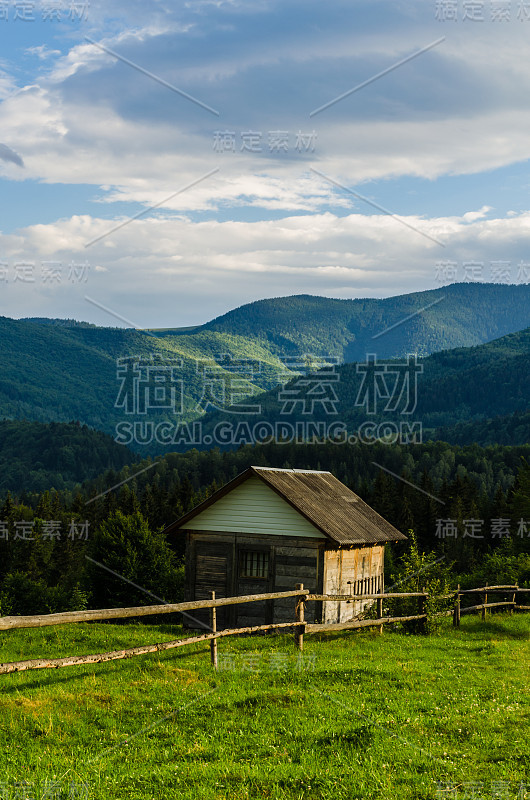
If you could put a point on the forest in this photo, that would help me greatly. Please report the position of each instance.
(469, 505)
(36, 456)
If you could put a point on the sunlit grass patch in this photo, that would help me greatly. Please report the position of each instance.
(357, 716)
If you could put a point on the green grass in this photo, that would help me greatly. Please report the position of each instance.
(361, 716)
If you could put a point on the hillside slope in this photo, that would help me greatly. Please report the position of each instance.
(36, 456)
(59, 370)
(464, 385)
(459, 315)
(55, 373)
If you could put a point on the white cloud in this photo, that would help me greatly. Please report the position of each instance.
(174, 272)
(85, 117)
(92, 119)
(42, 52)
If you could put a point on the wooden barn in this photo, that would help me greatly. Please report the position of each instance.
(269, 529)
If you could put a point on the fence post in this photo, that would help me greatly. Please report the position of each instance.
(213, 626)
(380, 613)
(422, 609)
(299, 631)
(456, 611)
(512, 609)
(484, 601)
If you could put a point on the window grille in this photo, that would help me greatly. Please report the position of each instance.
(254, 564)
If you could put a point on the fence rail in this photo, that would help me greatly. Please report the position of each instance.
(360, 623)
(356, 597)
(115, 655)
(507, 589)
(300, 626)
(503, 588)
(66, 617)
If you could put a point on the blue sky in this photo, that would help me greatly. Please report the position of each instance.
(88, 140)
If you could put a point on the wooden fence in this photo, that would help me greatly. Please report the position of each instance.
(299, 625)
(511, 591)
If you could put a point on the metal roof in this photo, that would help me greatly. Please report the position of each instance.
(321, 498)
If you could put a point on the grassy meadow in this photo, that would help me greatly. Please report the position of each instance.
(358, 715)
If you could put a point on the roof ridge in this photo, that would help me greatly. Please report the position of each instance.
(283, 469)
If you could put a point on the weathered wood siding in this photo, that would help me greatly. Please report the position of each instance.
(213, 562)
(253, 507)
(354, 570)
(210, 569)
(298, 564)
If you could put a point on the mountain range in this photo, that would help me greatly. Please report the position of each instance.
(459, 315)
(63, 370)
(473, 394)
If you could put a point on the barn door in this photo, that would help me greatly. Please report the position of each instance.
(212, 572)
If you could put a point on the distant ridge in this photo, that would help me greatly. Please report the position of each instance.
(59, 370)
(458, 315)
(467, 394)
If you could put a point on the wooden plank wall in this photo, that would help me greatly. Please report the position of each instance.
(211, 568)
(292, 560)
(294, 565)
(213, 563)
(344, 574)
(254, 508)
